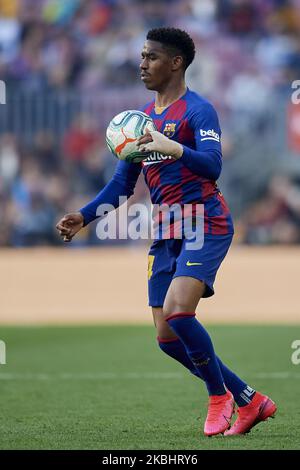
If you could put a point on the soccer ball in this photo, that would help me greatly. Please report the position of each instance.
(123, 131)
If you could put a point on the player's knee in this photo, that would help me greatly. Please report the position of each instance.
(175, 307)
(164, 332)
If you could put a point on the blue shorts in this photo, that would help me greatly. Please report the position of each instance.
(168, 259)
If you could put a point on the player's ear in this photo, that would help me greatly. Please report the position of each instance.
(177, 62)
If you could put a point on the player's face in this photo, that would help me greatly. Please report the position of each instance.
(156, 66)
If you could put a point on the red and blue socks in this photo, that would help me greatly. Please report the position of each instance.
(242, 393)
(175, 349)
(199, 349)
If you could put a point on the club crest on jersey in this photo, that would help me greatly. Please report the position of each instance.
(170, 129)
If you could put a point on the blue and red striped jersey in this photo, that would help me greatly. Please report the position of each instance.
(193, 122)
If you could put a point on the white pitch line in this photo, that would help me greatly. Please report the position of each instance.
(133, 376)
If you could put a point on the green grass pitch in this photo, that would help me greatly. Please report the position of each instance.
(110, 387)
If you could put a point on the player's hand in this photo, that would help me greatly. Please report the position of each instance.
(69, 225)
(159, 143)
(144, 139)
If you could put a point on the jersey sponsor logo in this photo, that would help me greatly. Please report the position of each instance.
(156, 157)
(211, 134)
(170, 129)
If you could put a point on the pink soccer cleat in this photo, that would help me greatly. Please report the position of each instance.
(220, 411)
(259, 409)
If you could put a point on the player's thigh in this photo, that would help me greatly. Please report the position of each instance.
(183, 295)
(162, 327)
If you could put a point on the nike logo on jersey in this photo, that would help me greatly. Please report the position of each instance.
(188, 263)
(209, 135)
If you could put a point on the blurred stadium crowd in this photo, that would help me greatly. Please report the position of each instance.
(70, 66)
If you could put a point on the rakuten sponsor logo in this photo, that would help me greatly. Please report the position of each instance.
(156, 157)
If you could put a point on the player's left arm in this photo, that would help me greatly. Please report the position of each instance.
(206, 159)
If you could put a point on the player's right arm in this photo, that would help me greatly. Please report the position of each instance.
(122, 184)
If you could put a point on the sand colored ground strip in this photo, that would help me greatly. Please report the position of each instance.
(109, 285)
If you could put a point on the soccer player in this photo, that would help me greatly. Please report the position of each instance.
(183, 167)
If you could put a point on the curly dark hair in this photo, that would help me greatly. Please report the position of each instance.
(176, 41)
